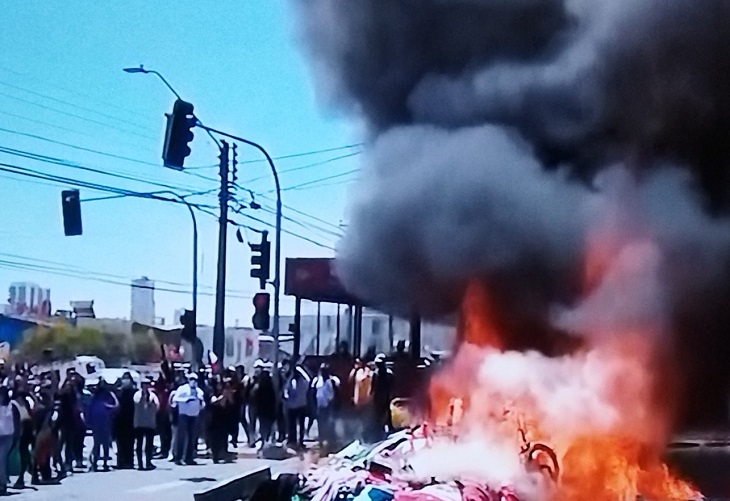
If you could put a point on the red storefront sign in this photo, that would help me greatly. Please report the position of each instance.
(315, 279)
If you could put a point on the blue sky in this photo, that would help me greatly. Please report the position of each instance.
(241, 66)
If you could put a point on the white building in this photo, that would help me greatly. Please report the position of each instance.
(143, 301)
(28, 299)
(378, 332)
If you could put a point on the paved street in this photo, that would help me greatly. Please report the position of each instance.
(167, 483)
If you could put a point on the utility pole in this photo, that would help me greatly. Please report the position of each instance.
(219, 329)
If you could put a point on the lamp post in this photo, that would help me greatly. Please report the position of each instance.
(141, 69)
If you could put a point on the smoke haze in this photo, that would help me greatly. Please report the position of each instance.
(504, 132)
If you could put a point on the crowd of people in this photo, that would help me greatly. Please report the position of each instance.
(45, 419)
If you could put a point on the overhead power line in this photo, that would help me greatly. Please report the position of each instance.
(334, 176)
(74, 268)
(73, 165)
(87, 97)
(305, 153)
(78, 117)
(9, 264)
(73, 105)
(77, 147)
(23, 171)
(308, 166)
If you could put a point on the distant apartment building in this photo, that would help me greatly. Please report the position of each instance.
(143, 301)
(28, 299)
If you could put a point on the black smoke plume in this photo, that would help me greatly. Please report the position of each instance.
(502, 129)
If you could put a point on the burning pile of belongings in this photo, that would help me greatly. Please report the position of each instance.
(436, 462)
(403, 468)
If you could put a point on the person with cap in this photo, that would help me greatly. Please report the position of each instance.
(102, 407)
(189, 401)
(381, 392)
(146, 405)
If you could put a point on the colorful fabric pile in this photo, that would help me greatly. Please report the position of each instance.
(382, 472)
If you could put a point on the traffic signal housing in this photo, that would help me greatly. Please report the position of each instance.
(179, 133)
(71, 208)
(261, 259)
(190, 326)
(261, 302)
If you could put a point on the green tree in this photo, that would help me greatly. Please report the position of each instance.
(65, 342)
(144, 348)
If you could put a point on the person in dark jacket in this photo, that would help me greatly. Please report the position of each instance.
(264, 400)
(124, 424)
(222, 406)
(381, 393)
(69, 415)
(102, 408)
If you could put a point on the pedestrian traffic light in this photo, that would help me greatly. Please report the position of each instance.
(190, 326)
(260, 259)
(179, 133)
(71, 207)
(260, 318)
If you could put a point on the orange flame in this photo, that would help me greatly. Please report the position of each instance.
(613, 463)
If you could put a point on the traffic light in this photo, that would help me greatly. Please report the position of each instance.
(260, 259)
(190, 326)
(260, 318)
(179, 133)
(71, 207)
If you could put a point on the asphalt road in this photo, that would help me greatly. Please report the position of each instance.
(167, 483)
(707, 467)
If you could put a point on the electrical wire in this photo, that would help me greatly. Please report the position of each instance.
(74, 91)
(308, 183)
(289, 232)
(305, 153)
(23, 171)
(74, 268)
(308, 166)
(7, 264)
(73, 105)
(66, 163)
(78, 117)
(77, 147)
(325, 185)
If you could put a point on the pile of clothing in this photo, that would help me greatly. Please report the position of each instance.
(381, 472)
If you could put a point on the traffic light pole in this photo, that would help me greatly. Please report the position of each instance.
(195, 270)
(219, 328)
(277, 248)
(155, 196)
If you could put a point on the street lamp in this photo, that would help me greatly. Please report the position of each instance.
(141, 69)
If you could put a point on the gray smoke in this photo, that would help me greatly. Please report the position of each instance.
(502, 129)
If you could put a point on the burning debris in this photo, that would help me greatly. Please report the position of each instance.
(560, 170)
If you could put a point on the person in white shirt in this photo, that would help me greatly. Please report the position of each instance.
(326, 392)
(189, 400)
